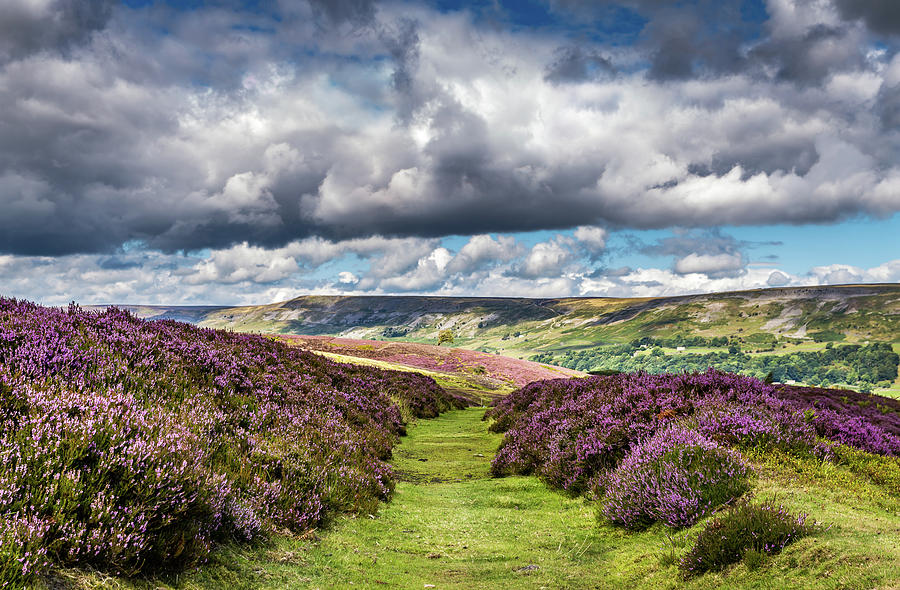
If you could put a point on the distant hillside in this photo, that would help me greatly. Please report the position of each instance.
(580, 332)
(855, 312)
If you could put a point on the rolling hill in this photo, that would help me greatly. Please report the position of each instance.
(583, 333)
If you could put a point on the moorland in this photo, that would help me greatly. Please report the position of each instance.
(158, 454)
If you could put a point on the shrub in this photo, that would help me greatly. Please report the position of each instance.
(23, 553)
(135, 447)
(569, 431)
(675, 477)
(745, 527)
(862, 420)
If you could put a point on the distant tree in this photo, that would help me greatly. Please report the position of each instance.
(445, 336)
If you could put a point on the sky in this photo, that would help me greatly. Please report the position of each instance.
(250, 151)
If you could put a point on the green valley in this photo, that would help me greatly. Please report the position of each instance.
(796, 334)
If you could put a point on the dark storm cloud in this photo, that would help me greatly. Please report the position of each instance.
(27, 27)
(800, 59)
(575, 64)
(795, 155)
(681, 39)
(887, 107)
(119, 263)
(356, 12)
(683, 44)
(402, 42)
(711, 37)
(881, 16)
(238, 127)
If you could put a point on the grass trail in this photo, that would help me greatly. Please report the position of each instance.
(451, 525)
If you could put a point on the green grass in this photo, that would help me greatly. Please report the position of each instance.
(450, 524)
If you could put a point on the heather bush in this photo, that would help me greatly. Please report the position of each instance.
(861, 420)
(22, 550)
(876, 409)
(761, 425)
(114, 485)
(763, 528)
(675, 477)
(571, 432)
(135, 447)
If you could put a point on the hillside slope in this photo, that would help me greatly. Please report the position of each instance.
(584, 333)
(858, 312)
(490, 371)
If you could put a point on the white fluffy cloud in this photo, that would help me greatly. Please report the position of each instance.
(483, 251)
(547, 259)
(835, 274)
(710, 264)
(592, 239)
(249, 275)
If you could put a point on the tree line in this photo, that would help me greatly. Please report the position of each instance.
(864, 366)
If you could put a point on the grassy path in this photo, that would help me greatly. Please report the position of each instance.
(450, 525)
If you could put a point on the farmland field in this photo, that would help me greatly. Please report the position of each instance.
(487, 371)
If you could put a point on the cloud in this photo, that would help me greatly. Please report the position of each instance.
(236, 130)
(837, 274)
(31, 26)
(710, 252)
(427, 275)
(777, 279)
(812, 56)
(403, 45)
(685, 43)
(356, 12)
(483, 251)
(546, 259)
(881, 16)
(592, 240)
(246, 274)
(244, 263)
(575, 64)
(712, 265)
(707, 242)
(347, 278)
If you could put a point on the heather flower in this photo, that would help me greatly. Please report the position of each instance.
(572, 432)
(676, 477)
(137, 446)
